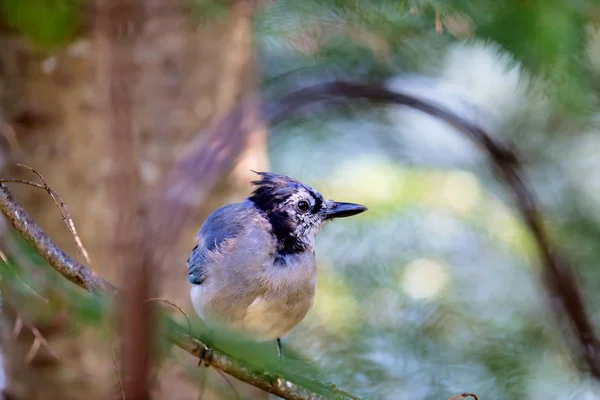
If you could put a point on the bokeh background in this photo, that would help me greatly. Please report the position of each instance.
(434, 291)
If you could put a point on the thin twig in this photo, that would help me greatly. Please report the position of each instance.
(176, 307)
(33, 350)
(39, 342)
(17, 328)
(11, 137)
(237, 394)
(32, 290)
(116, 370)
(24, 182)
(64, 212)
(462, 396)
(56, 257)
(203, 371)
(42, 341)
(60, 204)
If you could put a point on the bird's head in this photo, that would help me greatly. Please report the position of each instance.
(296, 211)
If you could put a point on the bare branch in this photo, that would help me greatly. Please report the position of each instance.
(18, 326)
(64, 212)
(39, 342)
(62, 262)
(116, 369)
(463, 396)
(168, 302)
(33, 350)
(60, 204)
(237, 395)
(9, 134)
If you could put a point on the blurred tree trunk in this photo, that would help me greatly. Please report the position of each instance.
(189, 74)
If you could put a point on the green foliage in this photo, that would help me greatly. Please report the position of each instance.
(548, 38)
(49, 292)
(209, 9)
(47, 23)
(50, 24)
(351, 39)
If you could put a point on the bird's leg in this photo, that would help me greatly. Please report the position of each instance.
(279, 349)
(205, 355)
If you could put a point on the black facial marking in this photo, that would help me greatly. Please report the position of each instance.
(318, 201)
(282, 227)
(269, 196)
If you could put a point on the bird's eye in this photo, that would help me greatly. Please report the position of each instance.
(303, 206)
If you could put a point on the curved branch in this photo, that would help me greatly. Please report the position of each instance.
(196, 172)
(58, 259)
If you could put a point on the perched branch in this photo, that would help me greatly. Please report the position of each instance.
(60, 204)
(58, 259)
(84, 278)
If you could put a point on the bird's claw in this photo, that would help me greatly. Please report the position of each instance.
(205, 356)
(279, 349)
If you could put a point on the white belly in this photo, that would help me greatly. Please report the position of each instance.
(265, 302)
(265, 317)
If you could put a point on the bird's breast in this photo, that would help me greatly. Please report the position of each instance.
(265, 305)
(274, 315)
(290, 287)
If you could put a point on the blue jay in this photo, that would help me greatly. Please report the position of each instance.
(253, 270)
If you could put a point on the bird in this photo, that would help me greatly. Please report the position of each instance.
(253, 270)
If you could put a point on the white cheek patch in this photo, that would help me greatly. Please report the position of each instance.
(308, 227)
(307, 224)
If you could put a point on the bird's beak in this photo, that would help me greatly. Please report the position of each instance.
(340, 210)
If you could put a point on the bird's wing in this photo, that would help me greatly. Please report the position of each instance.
(222, 224)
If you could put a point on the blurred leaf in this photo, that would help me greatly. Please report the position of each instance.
(47, 23)
(547, 36)
(206, 9)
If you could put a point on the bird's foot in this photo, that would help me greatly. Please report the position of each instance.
(279, 349)
(205, 356)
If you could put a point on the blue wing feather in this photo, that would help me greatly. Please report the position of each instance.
(222, 224)
(195, 264)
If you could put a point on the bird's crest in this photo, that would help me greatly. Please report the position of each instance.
(274, 189)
